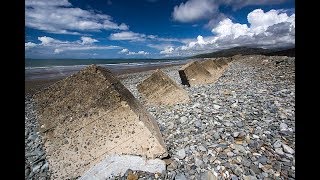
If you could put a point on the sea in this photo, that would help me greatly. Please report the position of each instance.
(40, 69)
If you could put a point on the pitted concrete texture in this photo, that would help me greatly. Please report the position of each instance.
(222, 61)
(194, 73)
(89, 115)
(213, 67)
(117, 165)
(160, 89)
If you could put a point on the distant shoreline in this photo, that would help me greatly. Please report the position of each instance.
(34, 85)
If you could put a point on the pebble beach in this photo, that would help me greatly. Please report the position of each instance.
(240, 127)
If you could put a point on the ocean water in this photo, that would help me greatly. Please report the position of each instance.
(36, 69)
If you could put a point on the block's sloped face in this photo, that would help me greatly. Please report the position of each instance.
(213, 67)
(194, 73)
(160, 89)
(222, 62)
(89, 115)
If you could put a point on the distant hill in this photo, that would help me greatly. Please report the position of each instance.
(288, 52)
(247, 51)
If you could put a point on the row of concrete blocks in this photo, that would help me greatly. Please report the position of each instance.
(160, 89)
(91, 115)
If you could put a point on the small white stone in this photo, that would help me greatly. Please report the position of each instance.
(255, 136)
(287, 149)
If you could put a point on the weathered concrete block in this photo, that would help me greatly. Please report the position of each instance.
(89, 115)
(222, 61)
(194, 73)
(213, 67)
(160, 89)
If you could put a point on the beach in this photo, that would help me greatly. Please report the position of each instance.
(37, 78)
(240, 127)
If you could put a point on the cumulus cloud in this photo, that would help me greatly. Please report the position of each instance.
(167, 50)
(139, 53)
(124, 51)
(127, 52)
(194, 10)
(274, 28)
(29, 45)
(60, 17)
(88, 40)
(227, 28)
(132, 36)
(55, 46)
(127, 35)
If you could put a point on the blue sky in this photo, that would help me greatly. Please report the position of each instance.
(153, 28)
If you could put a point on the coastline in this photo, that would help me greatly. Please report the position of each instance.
(34, 85)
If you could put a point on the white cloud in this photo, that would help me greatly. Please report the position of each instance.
(266, 29)
(227, 28)
(124, 51)
(132, 36)
(29, 45)
(50, 45)
(167, 50)
(127, 35)
(46, 40)
(88, 40)
(57, 51)
(127, 52)
(138, 53)
(60, 17)
(194, 10)
(260, 21)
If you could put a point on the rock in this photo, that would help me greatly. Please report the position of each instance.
(202, 148)
(172, 166)
(93, 111)
(233, 177)
(277, 144)
(36, 168)
(262, 159)
(183, 119)
(287, 149)
(216, 135)
(283, 127)
(181, 154)
(255, 169)
(198, 162)
(120, 164)
(249, 177)
(132, 176)
(180, 176)
(279, 151)
(255, 136)
(230, 154)
(240, 124)
(236, 134)
(215, 106)
(45, 166)
(208, 175)
(238, 171)
(198, 124)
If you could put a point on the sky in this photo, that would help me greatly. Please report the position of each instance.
(83, 29)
